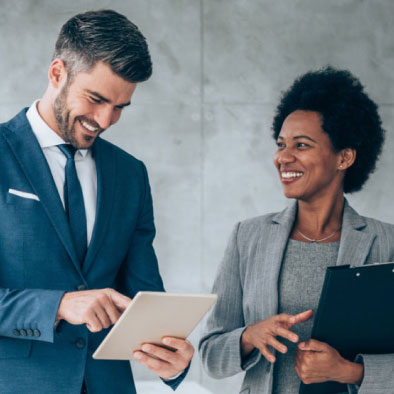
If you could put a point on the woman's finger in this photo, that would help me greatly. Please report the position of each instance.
(272, 341)
(266, 353)
(285, 333)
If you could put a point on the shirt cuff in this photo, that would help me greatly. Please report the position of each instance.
(176, 376)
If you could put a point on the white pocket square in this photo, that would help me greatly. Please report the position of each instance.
(23, 194)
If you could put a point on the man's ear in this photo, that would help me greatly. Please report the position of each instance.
(346, 158)
(57, 73)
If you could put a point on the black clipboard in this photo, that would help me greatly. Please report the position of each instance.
(355, 315)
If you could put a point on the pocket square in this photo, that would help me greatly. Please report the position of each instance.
(31, 196)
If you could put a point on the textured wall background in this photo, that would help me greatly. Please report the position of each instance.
(202, 123)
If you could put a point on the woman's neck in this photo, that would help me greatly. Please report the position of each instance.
(318, 219)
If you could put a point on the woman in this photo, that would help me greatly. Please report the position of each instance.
(329, 137)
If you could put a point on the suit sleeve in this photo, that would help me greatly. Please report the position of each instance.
(140, 271)
(29, 314)
(220, 345)
(378, 374)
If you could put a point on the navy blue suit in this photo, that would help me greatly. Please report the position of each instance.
(38, 264)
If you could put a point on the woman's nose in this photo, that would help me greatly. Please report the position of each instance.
(285, 157)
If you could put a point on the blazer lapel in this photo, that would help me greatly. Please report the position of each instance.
(28, 153)
(106, 171)
(355, 244)
(275, 246)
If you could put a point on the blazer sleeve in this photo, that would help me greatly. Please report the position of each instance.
(378, 374)
(378, 368)
(29, 314)
(220, 345)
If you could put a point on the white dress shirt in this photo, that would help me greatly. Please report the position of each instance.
(84, 164)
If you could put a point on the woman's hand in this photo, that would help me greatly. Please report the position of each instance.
(318, 362)
(264, 333)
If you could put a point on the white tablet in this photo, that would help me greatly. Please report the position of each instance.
(150, 317)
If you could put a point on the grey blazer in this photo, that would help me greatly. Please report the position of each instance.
(247, 285)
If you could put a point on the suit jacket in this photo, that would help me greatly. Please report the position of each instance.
(38, 264)
(247, 285)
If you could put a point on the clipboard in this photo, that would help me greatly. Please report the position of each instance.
(150, 317)
(355, 315)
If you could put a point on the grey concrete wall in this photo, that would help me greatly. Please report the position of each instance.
(202, 123)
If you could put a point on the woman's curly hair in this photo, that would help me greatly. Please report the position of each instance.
(349, 117)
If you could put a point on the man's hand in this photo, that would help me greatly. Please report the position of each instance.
(97, 309)
(166, 363)
(263, 334)
(318, 362)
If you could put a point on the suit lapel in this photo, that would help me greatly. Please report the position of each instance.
(354, 248)
(106, 170)
(29, 155)
(275, 245)
(355, 244)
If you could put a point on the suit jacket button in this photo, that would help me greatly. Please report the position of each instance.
(29, 332)
(23, 333)
(81, 287)
(80, 343)
(36, 333)
(16, 332)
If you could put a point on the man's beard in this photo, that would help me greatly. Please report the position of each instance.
(62, 116)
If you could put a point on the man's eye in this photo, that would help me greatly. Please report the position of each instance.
(95, 100)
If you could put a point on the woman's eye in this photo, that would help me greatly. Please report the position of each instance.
(302, 145)
(280, 145)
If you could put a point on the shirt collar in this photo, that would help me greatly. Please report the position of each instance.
(46, 137)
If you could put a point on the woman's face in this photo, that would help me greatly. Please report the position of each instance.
(307, 164)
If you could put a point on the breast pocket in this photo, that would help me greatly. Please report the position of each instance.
(22, 199)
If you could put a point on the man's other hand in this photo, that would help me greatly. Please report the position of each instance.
(97, 309)
(166, 363)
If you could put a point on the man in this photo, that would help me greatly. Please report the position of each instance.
(76, 225)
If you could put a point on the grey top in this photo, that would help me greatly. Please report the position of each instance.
(300, 282)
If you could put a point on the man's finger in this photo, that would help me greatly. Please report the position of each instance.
(152, 363)
(182, 345)
(120, 300)
(111, 310)
(102, 315)
(163, 354)
(93, 323)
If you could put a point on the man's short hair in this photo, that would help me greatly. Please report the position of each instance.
(107, 36)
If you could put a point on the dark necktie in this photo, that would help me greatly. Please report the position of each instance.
(73, 201)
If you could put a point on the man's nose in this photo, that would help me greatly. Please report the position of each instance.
(104, 117)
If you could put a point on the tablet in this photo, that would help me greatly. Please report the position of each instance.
(150, 317)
